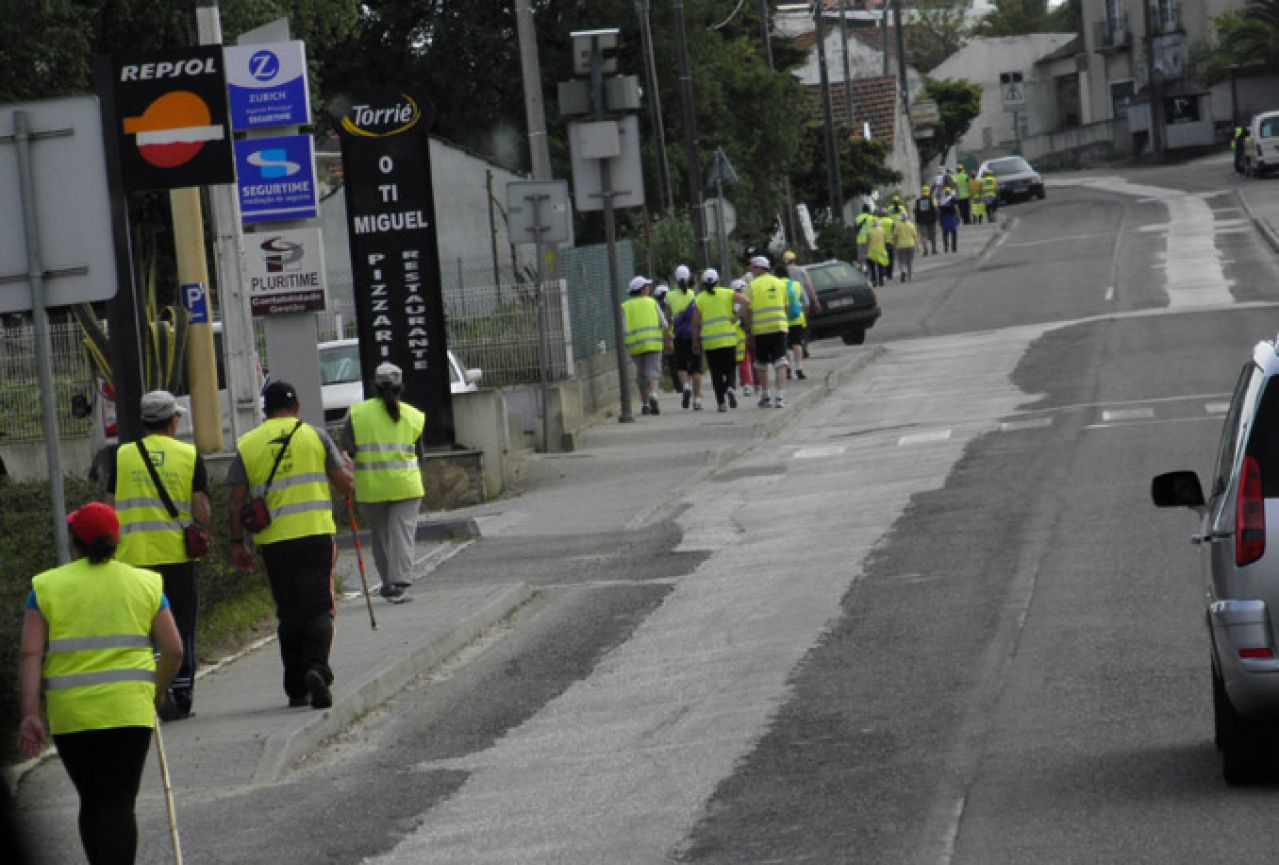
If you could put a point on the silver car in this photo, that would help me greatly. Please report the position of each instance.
(1242, 574)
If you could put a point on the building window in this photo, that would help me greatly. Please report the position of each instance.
(1121, 93)
(1181, 109)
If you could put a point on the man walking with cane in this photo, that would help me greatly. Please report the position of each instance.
(280, 479)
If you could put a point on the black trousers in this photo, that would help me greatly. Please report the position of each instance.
(723, 364)
(106, 768)
(301, 575)
(184, 602)
(965, 210)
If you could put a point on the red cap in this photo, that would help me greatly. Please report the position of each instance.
(93, 521)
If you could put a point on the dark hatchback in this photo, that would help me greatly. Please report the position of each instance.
(849, 305)
(1016, 178)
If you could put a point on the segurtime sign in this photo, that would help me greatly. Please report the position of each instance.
(394, 257)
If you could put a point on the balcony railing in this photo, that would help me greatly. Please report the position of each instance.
(1112, 33)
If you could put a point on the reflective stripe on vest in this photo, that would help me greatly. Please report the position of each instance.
(386, 468)
(643, 325)
(768, 305)
(148, 535)
(99, 668)
(299, 499)
(716, 310)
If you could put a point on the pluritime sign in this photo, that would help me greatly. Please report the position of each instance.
(394, 254)
(284, 271)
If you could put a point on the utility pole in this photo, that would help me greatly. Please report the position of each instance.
(534, 111)
(788, 220)
(690, 137)
(655, 106)
(902, 85)
(1152, 83)
(832, 148)
(239, 347)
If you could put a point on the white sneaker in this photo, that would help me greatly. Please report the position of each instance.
(697, 403)
(780, 402)
(746, 390)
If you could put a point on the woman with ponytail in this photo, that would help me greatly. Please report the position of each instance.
(385, 435)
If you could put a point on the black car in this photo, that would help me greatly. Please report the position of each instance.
(1016, 178)
(849, 305)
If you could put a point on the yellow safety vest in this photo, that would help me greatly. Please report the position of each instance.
(716, 309)
(99, 671)
(741, 341)
(862, 222)
(679, 300)
(148, 535)
(768, 305)
(876, 250)
(988, 185)
(906, 235)
(299, 499)
(386, 468)
(961, 181)
(795, 290)
(643, 325)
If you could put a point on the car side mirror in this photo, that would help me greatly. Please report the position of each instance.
(473, 375)
(1177, 490)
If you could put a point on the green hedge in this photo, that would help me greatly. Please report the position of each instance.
(233, 606)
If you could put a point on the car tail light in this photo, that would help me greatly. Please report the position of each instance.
(1265, 652)
(1250, 515)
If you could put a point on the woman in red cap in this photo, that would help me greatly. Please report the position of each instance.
(87, 637)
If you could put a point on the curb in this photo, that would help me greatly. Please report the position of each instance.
(374, 688)
(429, 530)
(1268, 234)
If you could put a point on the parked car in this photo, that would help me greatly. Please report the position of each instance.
(341, 385)
(1264, 157)
(1241, 566)
(1016, 178)
(849, 305)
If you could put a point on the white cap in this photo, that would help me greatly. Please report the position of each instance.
(661, 290)
(739, 285)
(682, 272)
(710, 276)
(388, 373)
(760, 261)
(638, 283)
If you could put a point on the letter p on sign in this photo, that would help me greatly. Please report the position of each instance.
(196, 301)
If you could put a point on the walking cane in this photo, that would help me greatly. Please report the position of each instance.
(359, 558)
(168, 795)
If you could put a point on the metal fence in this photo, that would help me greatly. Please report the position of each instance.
(590, 300)
(21, 417)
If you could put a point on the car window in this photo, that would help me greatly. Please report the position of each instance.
(1262, 443)
(833, 275)
(339, 365)
(1268, 128)
(1009, 166)
(1242, 404)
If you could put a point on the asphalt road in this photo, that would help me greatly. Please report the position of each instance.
(935, 620)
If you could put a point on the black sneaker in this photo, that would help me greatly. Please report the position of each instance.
(299, 702)
(644, 409)
(684, 400)
(652, 406)
(732, 398)
(799, 374)
(321, 696)
(396, 596)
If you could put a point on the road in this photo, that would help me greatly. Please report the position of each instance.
(934, 620)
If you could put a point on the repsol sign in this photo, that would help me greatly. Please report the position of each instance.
(383, 118)
(169, 69)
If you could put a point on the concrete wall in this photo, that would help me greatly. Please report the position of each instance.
(1069, 147)
(29, 461)
(483, 423)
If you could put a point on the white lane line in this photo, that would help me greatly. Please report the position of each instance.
(818, 452)
(1217, 407)
(1127, 414)
(1149, 422)
(952, 833)
(1110, 293)
(925, 438)
(1032, 423)
(1065, 239)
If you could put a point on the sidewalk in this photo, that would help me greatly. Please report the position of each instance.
(1260, 200)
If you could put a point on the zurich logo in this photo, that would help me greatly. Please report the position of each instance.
(273, 163)
(264, 65)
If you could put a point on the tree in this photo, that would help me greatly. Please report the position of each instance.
(1247, 37)
(862, 165)
(958, 104)
(937, 33)
(1015, 18)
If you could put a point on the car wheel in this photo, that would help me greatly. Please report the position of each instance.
(853, 337)
(1236, 738)
(1039, 193)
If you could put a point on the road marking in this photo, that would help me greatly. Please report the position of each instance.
(1127, 414)
(1149, 422)
(1217, 407)
(952, 833)
(1059, 239)
(925, 438)
(1032, 423)
(1110, 293)
(818, 452)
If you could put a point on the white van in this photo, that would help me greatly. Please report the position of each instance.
(1264, 155)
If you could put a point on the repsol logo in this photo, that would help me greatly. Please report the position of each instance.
(169, 69)
(382, 121)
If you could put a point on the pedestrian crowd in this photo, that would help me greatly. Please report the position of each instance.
(108, 640)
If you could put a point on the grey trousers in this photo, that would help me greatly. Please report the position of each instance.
(393, 526)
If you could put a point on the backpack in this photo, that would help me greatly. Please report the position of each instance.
(684, 322)
(794, 305)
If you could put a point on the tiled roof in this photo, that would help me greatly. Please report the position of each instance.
(874, 101)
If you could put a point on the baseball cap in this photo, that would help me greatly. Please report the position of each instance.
(638, 283)
(278, 395)
(710, 276)
(760, 261)
(92, 521)
(739, 285)
(159, 405)
(682, 272)
(789, 256)
(388, 373)
(661, 290)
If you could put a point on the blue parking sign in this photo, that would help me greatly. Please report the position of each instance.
(196, 300)
(267, 85)
(276, 178)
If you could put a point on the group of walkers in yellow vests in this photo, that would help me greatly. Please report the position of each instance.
(888, 237)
